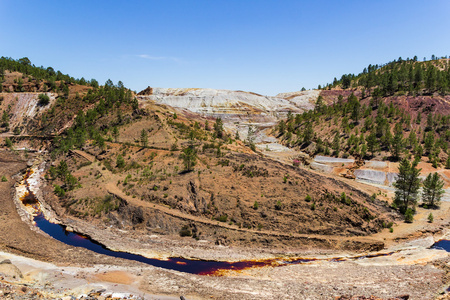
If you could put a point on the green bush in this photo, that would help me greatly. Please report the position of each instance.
(430, 218)
(120, 162)
(43, 100)
(185, 231)
(59, 191)
(8, 143)
(4, 179)
(308, 198)
(409, 215)
(223, 218)
(255, 205)
(278, 205)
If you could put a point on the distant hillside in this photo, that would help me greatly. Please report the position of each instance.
(400, 77)
(400, 109)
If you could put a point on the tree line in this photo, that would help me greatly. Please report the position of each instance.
(400, 76)
(24, 66)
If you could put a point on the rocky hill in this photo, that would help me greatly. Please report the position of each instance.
(379, 116)
(237, 109)
(139, 147)
(174, 173)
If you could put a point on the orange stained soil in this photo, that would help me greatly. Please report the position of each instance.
(119, 277)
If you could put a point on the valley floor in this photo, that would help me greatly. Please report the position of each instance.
(40, 267)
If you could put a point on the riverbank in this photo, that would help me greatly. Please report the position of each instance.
(415, 270)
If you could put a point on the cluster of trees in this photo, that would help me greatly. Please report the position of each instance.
(400, 76)
(365, 129)
(407, 189)
(63, 173)
(108, 98)
(189, 154)
(24, 66)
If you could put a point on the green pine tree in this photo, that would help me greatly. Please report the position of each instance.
(432, 190)
(407, 185)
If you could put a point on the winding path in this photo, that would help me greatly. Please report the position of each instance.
(116, 191)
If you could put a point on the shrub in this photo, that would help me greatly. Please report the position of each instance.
(308, 198)
(17, 130)
(185, 231)
(223, 218)
(313, 206)
(430, 218)
(8, 143)
(409, 215)
(255, 205)
(223, 162)
(43, 100)
(278, 205)
(4, 179)
(59, 191)
(107, 204)
(120, 162)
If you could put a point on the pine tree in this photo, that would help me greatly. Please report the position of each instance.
(319, 104)
(189, 157)
(144, 138)
(407, 185)
(308, 133)
(115, 133)
(429, 141)
(337, 143)
(412, 139)
(419, 118)
(397, 146)
(355, 107)
(218, 128)
(281, 127)
(430, 122)
(120, 162)
(372, 143)
(432, 190)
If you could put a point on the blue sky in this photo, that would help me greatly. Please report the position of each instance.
(262, 46)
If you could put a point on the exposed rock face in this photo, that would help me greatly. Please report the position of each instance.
(22, 107)
(10, 271)
(237, 109)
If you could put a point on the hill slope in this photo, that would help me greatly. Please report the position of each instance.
(110, 143)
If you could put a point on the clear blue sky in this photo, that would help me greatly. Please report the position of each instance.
(261, 46)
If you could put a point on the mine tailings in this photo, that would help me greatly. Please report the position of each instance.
(200, 267)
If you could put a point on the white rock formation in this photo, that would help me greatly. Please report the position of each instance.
(237, 109)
